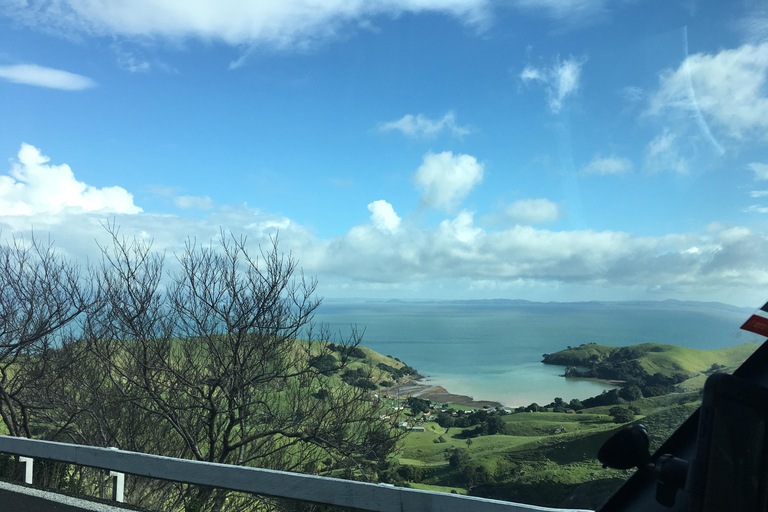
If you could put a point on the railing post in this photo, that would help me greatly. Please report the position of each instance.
(27, 461)
(118, 486)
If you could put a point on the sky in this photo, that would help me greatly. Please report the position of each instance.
(550, 150)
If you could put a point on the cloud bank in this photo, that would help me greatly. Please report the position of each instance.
(388, 255)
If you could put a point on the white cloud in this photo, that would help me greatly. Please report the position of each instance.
(384, 216)
(531, 73)
(566, 10)
(560, 80)
(461, 228)
(533, 211)
(193, 202)
(727, 89)
(760, 170)
(421, 127)
(388, 255)
(132, 64)
(283, 24)
(662, 154)
(34, 187)
(609, 165)
(756, 209)
(758, 193)
(446, 179)
(32, 74)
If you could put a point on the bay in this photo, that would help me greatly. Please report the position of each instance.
(491, 350)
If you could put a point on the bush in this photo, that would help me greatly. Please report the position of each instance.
(621, 415)
(325, 364)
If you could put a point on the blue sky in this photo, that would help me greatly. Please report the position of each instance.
(547, 150)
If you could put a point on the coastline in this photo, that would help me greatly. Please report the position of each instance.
(423, 387)
(436, 393)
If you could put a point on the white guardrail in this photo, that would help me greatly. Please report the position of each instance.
(266, 482)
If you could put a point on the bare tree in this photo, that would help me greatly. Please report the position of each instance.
(219, 358)
(42, 298)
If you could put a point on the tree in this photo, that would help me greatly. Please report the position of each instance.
(417, 405)
(458, 457)
(42, 296)
(221, 357)
(631, 393)
(621, 414)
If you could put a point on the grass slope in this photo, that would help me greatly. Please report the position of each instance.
(669, 360)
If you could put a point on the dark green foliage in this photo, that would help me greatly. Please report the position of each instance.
(487, 423)
(397, 373)
(458, 457)
(325, 364)
(359, 378)
(446, 419)
(409, 473)
(355, 352)
(621, 414)
(418, 405)
(606, 398)
(630, 393)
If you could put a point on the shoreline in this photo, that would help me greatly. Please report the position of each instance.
(436, 393)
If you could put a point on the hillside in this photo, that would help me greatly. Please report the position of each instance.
(546, 455)
(640, 362)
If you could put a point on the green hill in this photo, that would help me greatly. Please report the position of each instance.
(670, 361)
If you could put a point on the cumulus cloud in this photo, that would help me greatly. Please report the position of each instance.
(533, 211)
(560, 80)
(384, 216)
(461, 228)
(283, 24)
(421, 127)
(727, 89)
(760, 170)
(32, 74)
(756, 209)
(609, 165)
(35, 187)
(193, 202)
(446, 179)
(758, 193)
(662, 154)
(387, 254)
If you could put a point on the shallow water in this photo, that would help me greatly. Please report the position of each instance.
(493, 351)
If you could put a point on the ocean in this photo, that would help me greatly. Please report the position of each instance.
(491, 350)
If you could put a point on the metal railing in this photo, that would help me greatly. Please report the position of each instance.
(265, 482)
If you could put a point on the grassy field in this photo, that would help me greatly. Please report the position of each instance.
(546, 459)
(549, 459)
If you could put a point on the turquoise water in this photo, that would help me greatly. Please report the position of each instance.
(493, 351)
